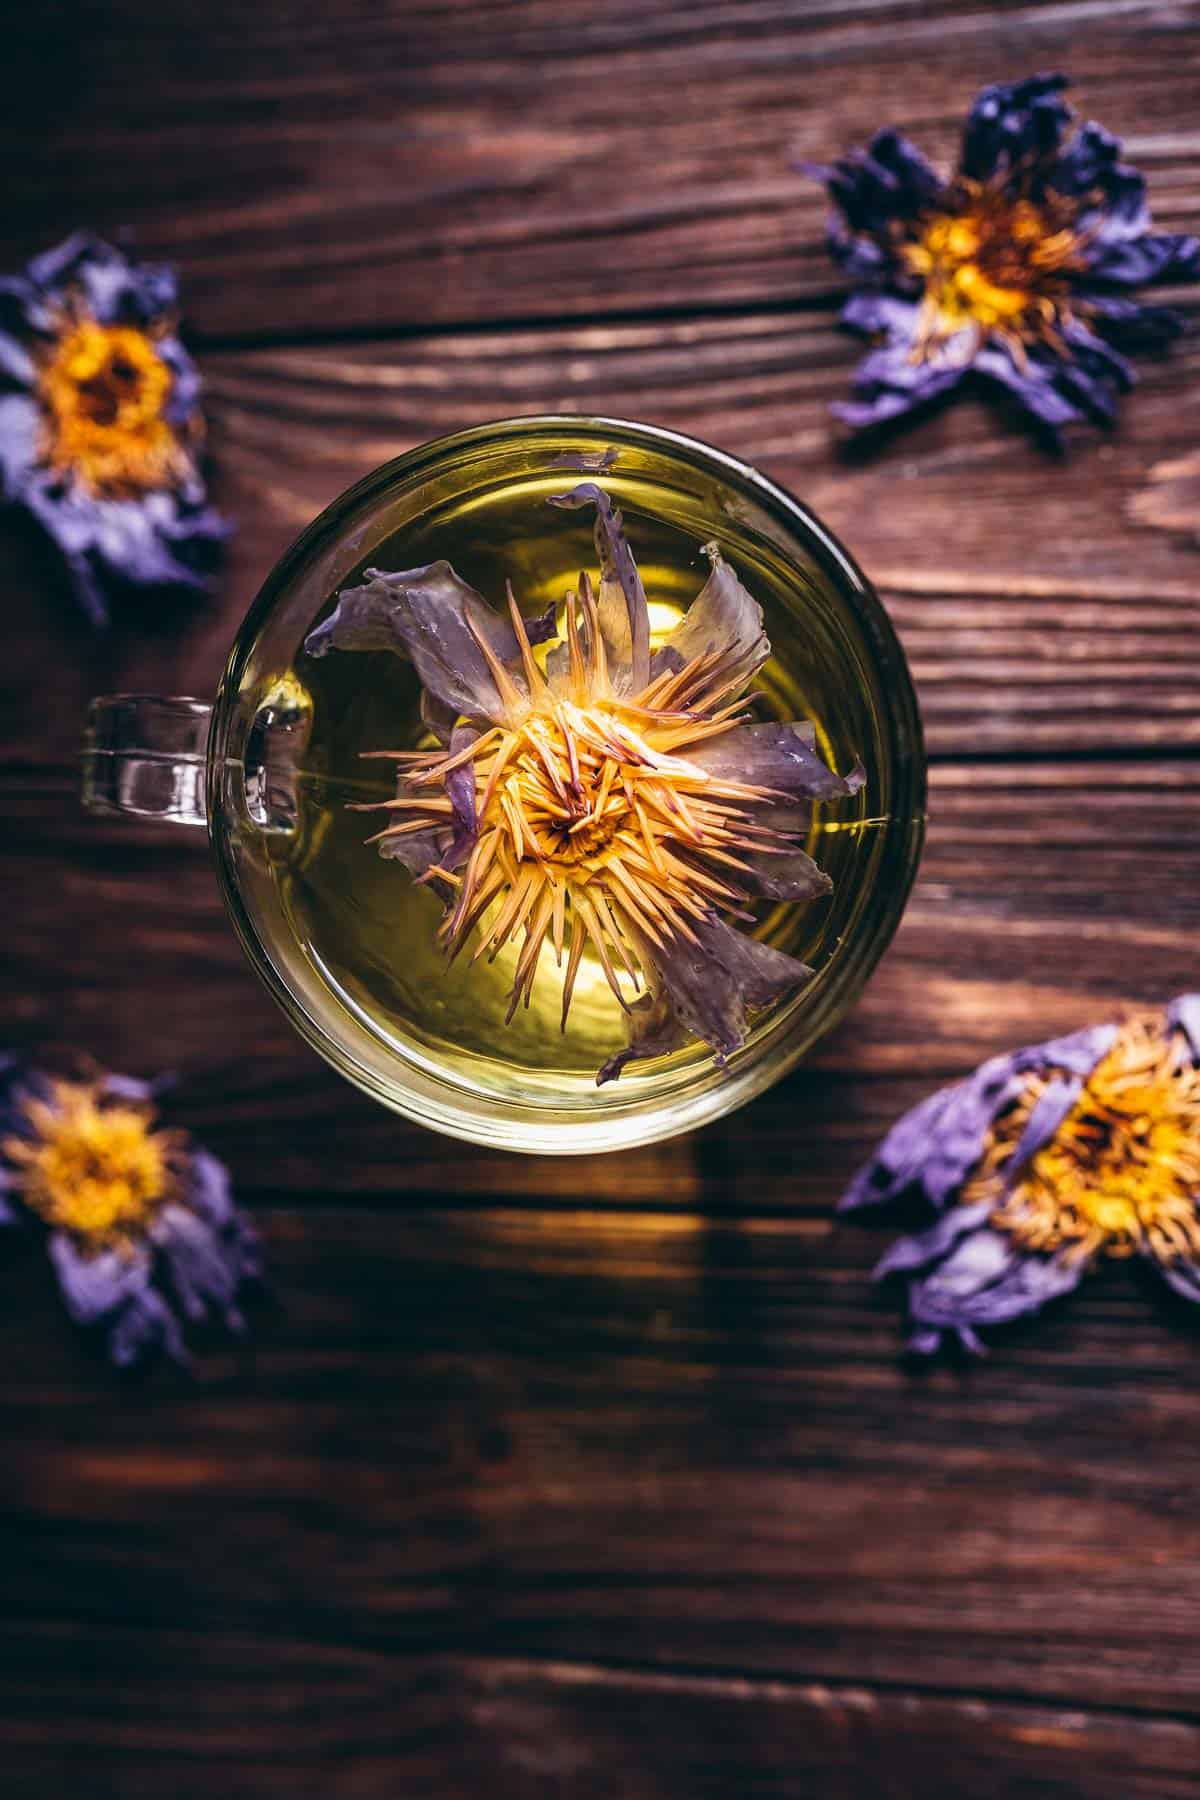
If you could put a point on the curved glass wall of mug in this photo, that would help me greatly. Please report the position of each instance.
(347, 941)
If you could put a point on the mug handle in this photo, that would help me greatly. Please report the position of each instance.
(145, 758)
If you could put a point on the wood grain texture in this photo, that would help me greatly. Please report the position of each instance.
(1037, 615)
(192, 1711)
(448, 1728)
(583, 1477)
(365, 166)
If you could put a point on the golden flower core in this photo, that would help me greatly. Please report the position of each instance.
(93, 1166)
(592, 825)
(998, 265)
(104, 391)
(1122, 1173)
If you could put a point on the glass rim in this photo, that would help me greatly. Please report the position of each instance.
(514, 1125)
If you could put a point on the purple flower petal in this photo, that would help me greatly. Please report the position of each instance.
(1130, 325)
(94, 1286)
(779, 756)
(209, 1192)
(433, 618)
(1183, 1014)
(726, 619)
(889, 180)
(1051, 1109)
(145, 1327)
(706, 989)
(924, 1247)
(1014, 123)
(987, 1280)
(654, 1030)
(1182, 1275)
(208, 1265)
(936, 1145)
(1035, 387)
(621, 602)
(1136, 262)
(16, 364)
(20, 429)
(872, 312)
(116, 289)
(888, 383)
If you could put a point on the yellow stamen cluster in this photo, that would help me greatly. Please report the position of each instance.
(1122, 1173)
(93, 1166)
(593, 827)
(998, 265)
(104, 391)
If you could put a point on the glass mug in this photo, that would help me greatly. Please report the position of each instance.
(346, 942)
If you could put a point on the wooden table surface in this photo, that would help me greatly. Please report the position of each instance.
(604, 1477)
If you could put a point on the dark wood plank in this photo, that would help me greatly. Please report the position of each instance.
(661, 1440)
(369, 166)
(1048, 896)
(1037, 615)
(194, 1714)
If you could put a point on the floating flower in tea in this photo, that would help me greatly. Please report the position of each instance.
(611, 797)
(1040, 1164)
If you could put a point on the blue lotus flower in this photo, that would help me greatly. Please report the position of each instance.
(140, 1225)
(1041, 1163)
(1018, 272)
(100, 423)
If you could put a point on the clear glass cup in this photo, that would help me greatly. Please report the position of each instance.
(254, 769)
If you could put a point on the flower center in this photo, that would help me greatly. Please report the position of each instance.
(104, 390)
(998, 264)
(592, 825)
(92, 1167)
(1122, 1173)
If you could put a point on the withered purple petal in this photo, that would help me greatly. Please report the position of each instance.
(654, 1030)
(935, 1146)
(1129, 325)
(899, 1160)
(429, 615)
(624, 615)
(776, 756)
(1011, 124)
(20, 424)
(726, 619)
(209, 1190)
(985, 1280)
(791, 876)
(1182, 1275)
(144, 1328)
(432, 617)
(1183, 1014)
(1050, 1110)
(95, 1286)
(16, 364)
(209, 1263)
(1136, 262)
(710, 984)
(923, 1247)
(889, 179)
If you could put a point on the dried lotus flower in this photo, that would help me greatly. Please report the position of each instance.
(606, 797)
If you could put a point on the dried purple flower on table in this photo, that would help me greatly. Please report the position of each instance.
(1019, 270)
(612, 799)
(1041, 1163)
(100, 423)
(139, 1223)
